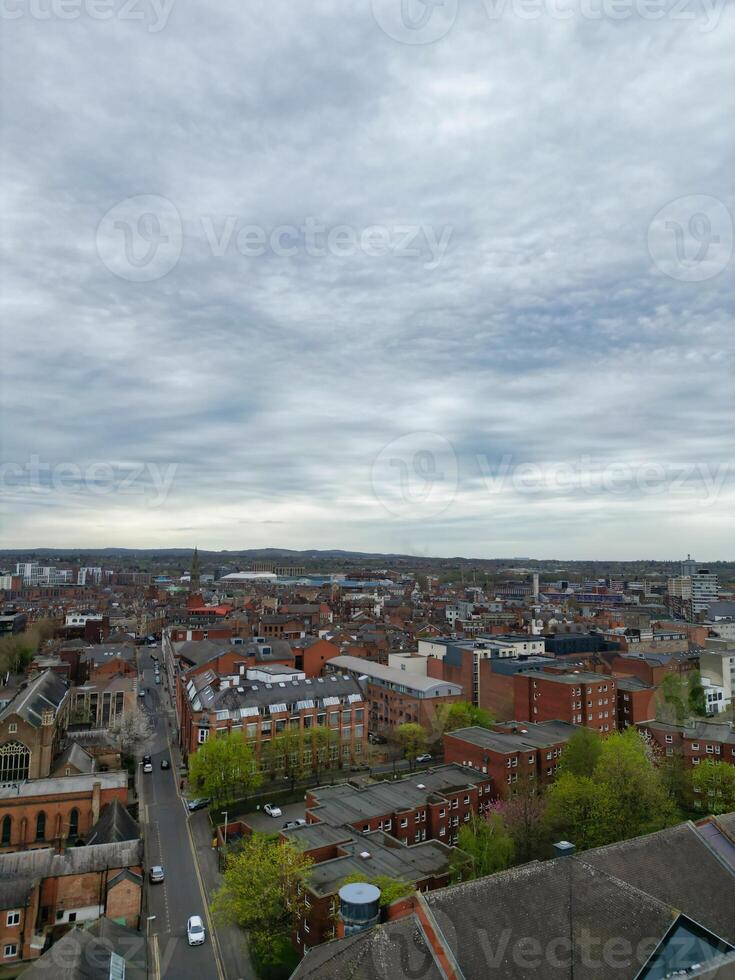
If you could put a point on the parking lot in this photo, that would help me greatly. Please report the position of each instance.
(262, 822)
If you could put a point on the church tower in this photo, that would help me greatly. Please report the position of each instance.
(195, 572)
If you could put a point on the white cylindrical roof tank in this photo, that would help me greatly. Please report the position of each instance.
(359, 906)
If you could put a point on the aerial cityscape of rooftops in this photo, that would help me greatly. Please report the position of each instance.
(284, 763)
(367, 570)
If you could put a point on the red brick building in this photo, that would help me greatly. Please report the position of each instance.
(694, 742)
(516, 753)
(577, 697)
(43, 894)
(397, 697)
(55, 811)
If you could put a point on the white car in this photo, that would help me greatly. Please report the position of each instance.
(272, 810)
(195, 931)
(148, 767)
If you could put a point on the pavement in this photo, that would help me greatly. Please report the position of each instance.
(271, 825)
(181, 843)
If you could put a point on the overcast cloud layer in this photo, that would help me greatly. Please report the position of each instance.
(274, 276)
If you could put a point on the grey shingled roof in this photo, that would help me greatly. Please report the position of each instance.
(678, 868)
(15, 889)
(74, 755)
(84, 954)
(114, 825)
(46, 692)
(390, 951)
(565, 900)
(44, 863)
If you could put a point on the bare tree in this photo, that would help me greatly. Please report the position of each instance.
(134, 727)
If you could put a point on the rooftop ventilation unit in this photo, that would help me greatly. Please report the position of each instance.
(241, 690)
(365, 855)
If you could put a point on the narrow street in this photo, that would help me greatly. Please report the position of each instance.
(169, 843)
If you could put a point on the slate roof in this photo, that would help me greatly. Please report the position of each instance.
(678, 868)
(46, 692)
(44, 863)
(15, 889)
(390, 951)
(74, 755)
(84, 954)
(565, 901)
(553, 919)
(104, 652)
(115, 824)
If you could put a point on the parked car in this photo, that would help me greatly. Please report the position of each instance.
(195, 931)
(147, 767)
(141, 693)
(272, 810)
(199, 804)
(426, 757)
(165, 764)
(158, 678)
(376, 739)
(292, 824)
(147, 758)
(156, 874)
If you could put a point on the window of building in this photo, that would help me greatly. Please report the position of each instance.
(11, 949)
(669, 739)
(15, 761)
(7, 826)
(41, 826)
(404, 822)
(203, 735)
(74, 824)
(13, 918)
(12, 728)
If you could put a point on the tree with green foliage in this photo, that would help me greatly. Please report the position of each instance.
(488, 843)
(224, 768)
(322, 741)
(390, 888)
(18, 649)
(572, 807)
(290, 755)
(581, 752)
(637, 801)
(713, 784)
(412, 739)
(263, 890)
(462, 714)
(679, 697)
(677, 780)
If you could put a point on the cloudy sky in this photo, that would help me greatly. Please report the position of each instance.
(444, 280)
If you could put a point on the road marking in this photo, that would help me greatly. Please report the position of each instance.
(156, 959)
(202, 889)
